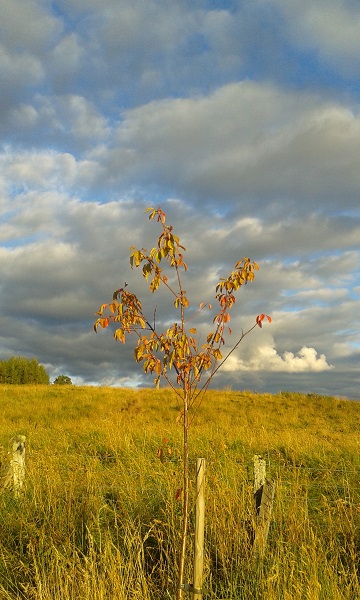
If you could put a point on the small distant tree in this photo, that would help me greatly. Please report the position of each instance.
(177, 348)
(63, 380)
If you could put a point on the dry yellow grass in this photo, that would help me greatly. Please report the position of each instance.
(99, 518)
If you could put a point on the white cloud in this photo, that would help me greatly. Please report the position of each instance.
(44, 169)
(64, 63)
(265, 358)
(19, 70)
(24, 116)
(244, 142)
(27, 26)
(331, 27)
(76, 116)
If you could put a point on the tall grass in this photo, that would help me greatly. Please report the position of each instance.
(100, 515)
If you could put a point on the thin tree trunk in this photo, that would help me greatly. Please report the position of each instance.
(179, 592)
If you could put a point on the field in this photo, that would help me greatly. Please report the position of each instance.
(99, 517)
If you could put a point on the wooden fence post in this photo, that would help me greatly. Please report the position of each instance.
(15, 477)
(199, 529)
(264, 491)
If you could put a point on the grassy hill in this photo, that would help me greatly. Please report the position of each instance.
(99, 518)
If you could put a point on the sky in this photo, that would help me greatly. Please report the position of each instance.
(240, 118)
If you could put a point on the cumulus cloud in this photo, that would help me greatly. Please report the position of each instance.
(266, 358)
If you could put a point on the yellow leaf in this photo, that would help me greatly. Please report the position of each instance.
(217, 354)
(185, 301)
(113, 307)
(120, 335)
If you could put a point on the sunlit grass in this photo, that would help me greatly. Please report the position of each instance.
(99, 518)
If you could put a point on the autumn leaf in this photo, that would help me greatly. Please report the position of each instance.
(217, 354)
(104, 322)
(113, 307)
(120, 335)
(101, 309)
(260, 318)
(184, 301)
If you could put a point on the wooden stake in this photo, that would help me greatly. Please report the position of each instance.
(199, 529)
(264, 491)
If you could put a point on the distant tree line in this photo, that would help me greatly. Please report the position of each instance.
(19, 370)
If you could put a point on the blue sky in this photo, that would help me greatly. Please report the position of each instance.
(241, 118)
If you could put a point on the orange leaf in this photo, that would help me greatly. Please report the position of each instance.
(161, 216)
(104, 322)
(261, 317)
